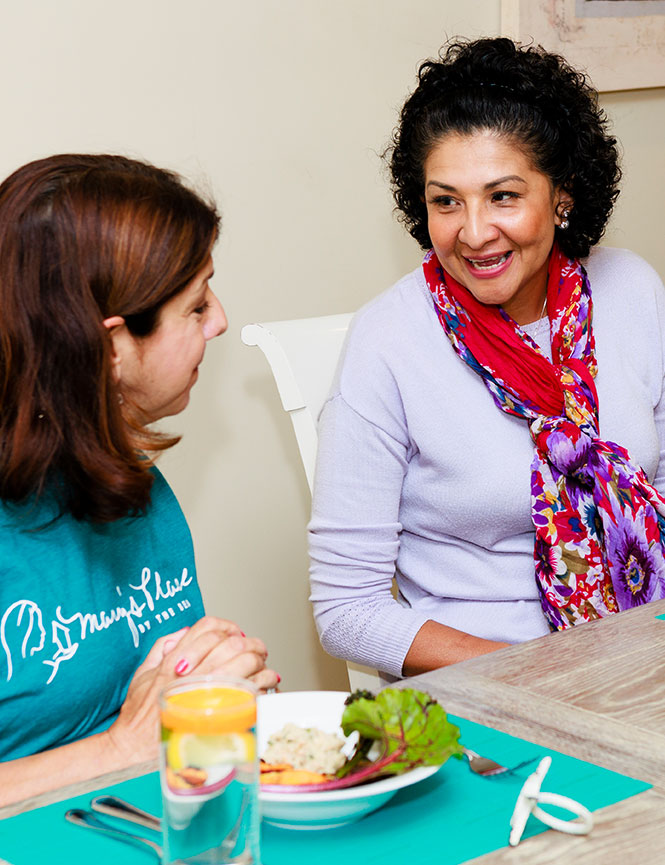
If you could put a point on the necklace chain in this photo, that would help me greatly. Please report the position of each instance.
(541, 323)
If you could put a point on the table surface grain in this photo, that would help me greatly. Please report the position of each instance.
(596, 692)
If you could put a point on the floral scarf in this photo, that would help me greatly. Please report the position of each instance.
(600, 525)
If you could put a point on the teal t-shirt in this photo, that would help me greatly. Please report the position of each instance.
(80, 607)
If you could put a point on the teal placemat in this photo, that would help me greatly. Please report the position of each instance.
(447, 819)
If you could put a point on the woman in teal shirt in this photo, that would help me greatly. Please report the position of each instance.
(105, 312)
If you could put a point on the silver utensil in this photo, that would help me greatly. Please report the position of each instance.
(113, 806)
(119, 808)
(487, 768)
(89, 820)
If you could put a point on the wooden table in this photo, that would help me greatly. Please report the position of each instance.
(596, 692)
(70, 790)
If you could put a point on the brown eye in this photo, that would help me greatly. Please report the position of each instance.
(504, 196)
(442, 201)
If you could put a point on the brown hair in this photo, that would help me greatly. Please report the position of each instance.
(83, 238)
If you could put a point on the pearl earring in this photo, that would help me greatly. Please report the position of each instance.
(563, 225)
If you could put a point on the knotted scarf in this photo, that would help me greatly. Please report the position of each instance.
(599, 523)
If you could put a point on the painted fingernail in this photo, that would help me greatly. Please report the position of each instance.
(279, 678)
(182, 666)
(243, 634)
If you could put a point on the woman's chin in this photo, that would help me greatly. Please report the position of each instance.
(173, 408)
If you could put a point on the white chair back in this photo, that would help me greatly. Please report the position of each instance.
(303, 355)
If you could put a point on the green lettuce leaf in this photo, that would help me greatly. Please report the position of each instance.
(408, 727)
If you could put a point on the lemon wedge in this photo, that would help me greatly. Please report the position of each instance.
(204, 751)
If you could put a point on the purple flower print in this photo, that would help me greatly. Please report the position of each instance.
(637, 570)
(570, 453)
(549, 563)
(568, 448)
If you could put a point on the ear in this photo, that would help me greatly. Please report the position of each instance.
(564, 203)
(118, 333)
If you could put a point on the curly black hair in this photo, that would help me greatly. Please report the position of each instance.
(514, 90)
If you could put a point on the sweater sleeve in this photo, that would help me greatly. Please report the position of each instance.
(354, 535)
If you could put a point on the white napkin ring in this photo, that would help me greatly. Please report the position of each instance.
(530, 797)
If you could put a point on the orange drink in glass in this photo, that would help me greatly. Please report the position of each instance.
(209, 772)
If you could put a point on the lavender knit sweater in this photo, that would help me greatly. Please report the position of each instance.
(420, 476)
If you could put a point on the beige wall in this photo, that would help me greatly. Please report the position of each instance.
(638, 223)
(281, 109)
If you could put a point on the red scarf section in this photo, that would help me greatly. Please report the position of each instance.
(493, 340)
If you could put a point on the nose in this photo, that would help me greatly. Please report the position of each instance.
(215, 323)
(477, 228)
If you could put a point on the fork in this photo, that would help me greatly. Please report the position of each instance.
(487, 768)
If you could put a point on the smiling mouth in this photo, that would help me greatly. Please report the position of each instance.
(489, 263)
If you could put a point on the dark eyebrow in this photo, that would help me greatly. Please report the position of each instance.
(509, 178)
(440, 185)
(491, 185)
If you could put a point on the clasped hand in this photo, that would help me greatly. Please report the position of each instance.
(211, 646)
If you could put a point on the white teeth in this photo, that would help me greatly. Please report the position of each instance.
(488, 263)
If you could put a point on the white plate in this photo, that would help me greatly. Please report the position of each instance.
(322, 709)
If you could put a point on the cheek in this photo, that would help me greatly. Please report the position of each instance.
(533, 231)
(193, 351)
(188, 342)
(543, 222)
(441, 233)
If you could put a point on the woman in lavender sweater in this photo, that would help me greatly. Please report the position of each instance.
(467, 448)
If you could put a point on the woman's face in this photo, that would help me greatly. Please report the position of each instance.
(491, 218)
(157, 372)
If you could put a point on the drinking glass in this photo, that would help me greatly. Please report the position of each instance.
(209, 772)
